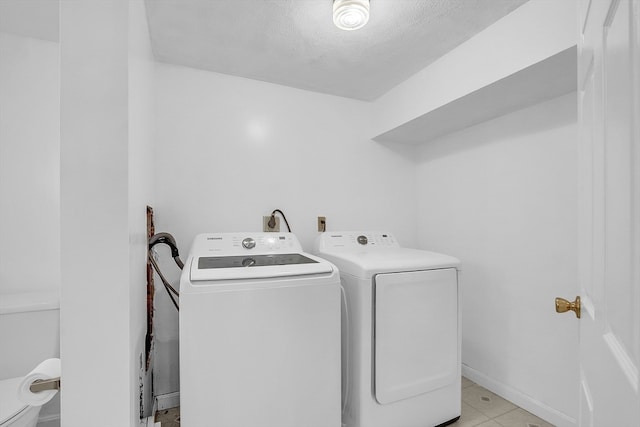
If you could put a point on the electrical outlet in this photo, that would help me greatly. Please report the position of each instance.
(322, 223)
(265, 224)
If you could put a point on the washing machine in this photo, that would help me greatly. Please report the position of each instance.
(400, 331)
(259, 334)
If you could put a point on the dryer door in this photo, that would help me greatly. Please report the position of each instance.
(415, 332)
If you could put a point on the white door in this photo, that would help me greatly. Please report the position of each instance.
(609, 140)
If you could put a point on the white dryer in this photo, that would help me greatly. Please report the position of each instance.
(400, 331)
(259, 334)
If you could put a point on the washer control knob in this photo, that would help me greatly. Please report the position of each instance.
(249, 243)
(248, 262)
(362, 240)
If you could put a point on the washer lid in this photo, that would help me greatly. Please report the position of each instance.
(11, 406)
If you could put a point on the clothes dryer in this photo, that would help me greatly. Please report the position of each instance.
(400, 331)
(259, 334)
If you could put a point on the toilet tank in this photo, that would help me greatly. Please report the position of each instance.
(29, 331)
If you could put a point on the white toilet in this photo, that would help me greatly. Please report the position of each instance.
(13, 412)
(36, 316)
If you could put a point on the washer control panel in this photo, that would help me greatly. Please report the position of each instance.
(245, 243)
(216, 257)
(358, 239)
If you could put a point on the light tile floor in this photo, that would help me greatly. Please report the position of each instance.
(480, 408)
(168, 417)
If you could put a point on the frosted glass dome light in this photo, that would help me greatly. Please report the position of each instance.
(350, 14)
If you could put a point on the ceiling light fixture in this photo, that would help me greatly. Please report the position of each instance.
(350, 14)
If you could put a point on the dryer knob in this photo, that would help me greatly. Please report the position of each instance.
(249, 243)
(363, 240)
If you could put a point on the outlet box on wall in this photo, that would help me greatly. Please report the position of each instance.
(322, 224)
(265, 224)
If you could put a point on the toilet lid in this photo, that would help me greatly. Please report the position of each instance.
(11, 406)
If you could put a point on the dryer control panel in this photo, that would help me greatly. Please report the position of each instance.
(357, 239)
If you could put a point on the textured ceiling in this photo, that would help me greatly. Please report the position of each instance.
(294, 42)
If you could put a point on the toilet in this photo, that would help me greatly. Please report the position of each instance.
(36, 315)
(13, 412)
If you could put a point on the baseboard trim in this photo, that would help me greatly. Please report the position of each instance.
(167, 401)
(151, 420)
(528, 403)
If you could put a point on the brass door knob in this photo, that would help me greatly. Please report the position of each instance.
(562, 306)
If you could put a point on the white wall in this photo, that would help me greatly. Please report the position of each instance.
(141, 193)
(30, 179)
(530, 34)
(105, 186)
(230, 150)
(502, 196)
(95, 297)
(29, 164)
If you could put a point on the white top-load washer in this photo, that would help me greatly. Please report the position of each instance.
(259, 334)
(400, 330)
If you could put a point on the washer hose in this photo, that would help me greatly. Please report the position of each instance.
(168, 240)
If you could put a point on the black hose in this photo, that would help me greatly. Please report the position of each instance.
(168, 240)
(170, 289)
